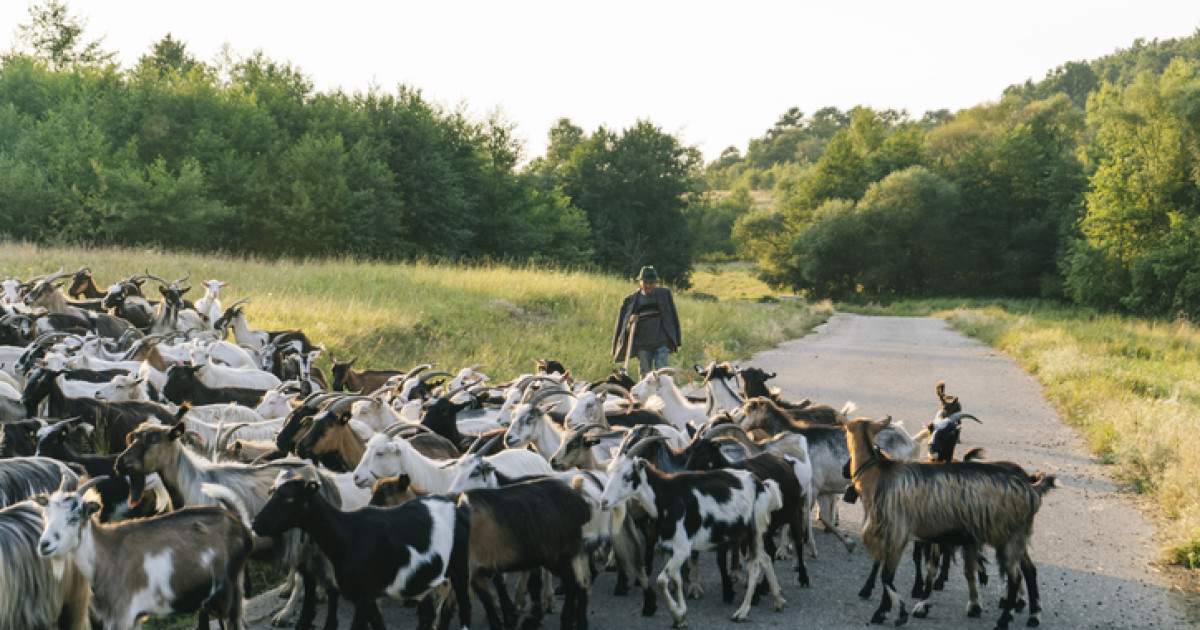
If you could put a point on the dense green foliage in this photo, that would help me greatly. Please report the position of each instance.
(1084, 185)
(245, 156)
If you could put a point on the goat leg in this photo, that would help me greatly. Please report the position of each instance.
(1029, 570)
(535, 608)
(865, 591)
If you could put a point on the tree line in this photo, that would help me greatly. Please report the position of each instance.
(243, 155)
(1084, 186)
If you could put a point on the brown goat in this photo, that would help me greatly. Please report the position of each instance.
(393, 491)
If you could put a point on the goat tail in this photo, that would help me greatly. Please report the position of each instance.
(225, 498)
(848, 408)
(975, 453)
(767, 501)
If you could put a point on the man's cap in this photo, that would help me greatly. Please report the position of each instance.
(647, 274)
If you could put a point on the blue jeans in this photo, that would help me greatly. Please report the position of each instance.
(650, 360)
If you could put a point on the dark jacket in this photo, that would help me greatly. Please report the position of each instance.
(670, 321)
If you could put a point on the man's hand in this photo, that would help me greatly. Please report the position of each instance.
(633, 319)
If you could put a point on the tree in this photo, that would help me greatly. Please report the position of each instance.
(56, 35)
(634, 187)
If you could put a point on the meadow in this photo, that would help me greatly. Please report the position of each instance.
(1131, 386)
(396, 315)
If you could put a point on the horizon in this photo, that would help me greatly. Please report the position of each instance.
(666, 66)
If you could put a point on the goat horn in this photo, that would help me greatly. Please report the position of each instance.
(239, 302)
(477, 366)
(737, 433)
(962, 414)
(183, 279)
(612, 387)
(428, 375)
(90, 482)
(226, 433)
(636, 449)
(549, 392)
(708, 372)
(671, 368)
(153, 277)
(399, 428)
(475, 447)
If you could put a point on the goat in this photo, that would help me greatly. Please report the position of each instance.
(676, 409)
(123, 387)
(580, 445)
(388, 457)
(345, 378)
(83, 286)
(215, 375)
(706, 455)
(696, 511)
(114, 420)
(721, 395)
(754, 385)
(393, 491)
(155, 566)
(827, 451)
(37, 594)
(943, 502)
(209, 306)
(405, 551)
(114, 491)
(184, 385)
(526, 526)
(156, 448)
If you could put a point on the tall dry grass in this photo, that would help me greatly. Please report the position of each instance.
(1133, 388)
(398, 315)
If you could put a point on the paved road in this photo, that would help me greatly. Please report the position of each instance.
(1093, 548)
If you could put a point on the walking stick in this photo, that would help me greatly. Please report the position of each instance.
(628, 348)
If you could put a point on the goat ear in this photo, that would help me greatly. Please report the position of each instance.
(343, 418)
(312, 487)
(351, 363)
(40, 499)
(403, 481)
(90, 508)
(639, 465)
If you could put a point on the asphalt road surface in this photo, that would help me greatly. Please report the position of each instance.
(1094, 549)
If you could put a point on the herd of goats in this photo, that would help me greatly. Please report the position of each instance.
(148, 458)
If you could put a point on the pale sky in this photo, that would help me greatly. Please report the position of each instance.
(713, 73)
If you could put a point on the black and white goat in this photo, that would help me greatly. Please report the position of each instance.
(191, 560)
(405, 552)
(696, 511)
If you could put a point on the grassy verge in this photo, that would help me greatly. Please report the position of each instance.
(1131, 386)
(731, 281)
(399, 315)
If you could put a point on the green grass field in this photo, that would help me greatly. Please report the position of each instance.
(400, 315)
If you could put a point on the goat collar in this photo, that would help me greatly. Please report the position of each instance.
(876, 458)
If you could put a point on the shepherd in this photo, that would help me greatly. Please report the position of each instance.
(647, 316)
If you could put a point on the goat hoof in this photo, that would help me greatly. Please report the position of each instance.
(1033, 622)
(738, 617)
(916, 591)
(804, 582)
(940, 585)
(621, 590)
(679, 623)
(878, 617)
(974, 611)
(695, 591)
(1020, 605)
(780, 604)
(920, 611)
(902, 618)
(865, 593)
(727, 596)
(649, 609)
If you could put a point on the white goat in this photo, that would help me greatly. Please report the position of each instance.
(209, 306)
(676, 408)
(388, 457)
